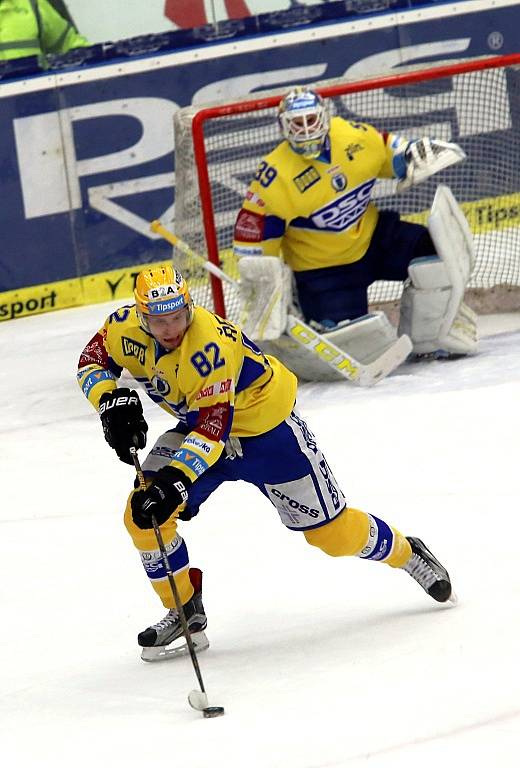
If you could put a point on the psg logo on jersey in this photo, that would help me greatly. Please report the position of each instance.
(339, 182)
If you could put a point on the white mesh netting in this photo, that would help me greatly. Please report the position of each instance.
(479, 109)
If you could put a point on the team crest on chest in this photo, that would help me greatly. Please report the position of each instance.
(161, 386)
(339, 182)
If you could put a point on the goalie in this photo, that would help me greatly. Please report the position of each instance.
(310, 203)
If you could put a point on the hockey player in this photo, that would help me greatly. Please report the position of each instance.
(309, 202)
(234, 419)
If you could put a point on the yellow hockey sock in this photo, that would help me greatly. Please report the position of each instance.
(353, 532)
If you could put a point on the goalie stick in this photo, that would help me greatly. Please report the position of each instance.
(364, 375)
(197, 699)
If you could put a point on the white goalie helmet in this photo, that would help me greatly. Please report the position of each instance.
(304, 121)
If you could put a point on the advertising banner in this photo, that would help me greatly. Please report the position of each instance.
(87, 155)
(120, 19)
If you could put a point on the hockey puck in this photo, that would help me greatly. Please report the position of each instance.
(213, 711)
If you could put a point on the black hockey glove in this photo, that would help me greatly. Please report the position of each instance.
(168, 491)
(123, 422)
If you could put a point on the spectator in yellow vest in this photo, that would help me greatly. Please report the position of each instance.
(35, 28)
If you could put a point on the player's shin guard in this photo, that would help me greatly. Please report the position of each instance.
(151, 558)
(354, 532)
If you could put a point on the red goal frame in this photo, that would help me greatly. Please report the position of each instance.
(253, 105)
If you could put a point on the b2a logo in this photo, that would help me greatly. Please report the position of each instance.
(344, 212)
(163, 291)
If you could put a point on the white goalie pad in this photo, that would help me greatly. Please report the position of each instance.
(265, 295)
(366, 339)
(432, 310)
(425, 157)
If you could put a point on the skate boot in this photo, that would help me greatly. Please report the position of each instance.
(159, 641)
(428, 572)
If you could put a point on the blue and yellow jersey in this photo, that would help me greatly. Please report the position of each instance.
(217, 382)
(317, 212)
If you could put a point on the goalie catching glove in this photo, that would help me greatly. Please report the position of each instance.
(124, 426)
(161, 499)
(425, 157)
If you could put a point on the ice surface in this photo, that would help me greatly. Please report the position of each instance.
(318, 662)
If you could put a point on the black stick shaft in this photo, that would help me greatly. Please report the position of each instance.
(171, 579)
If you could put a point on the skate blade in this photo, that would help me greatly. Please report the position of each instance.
(165, 652)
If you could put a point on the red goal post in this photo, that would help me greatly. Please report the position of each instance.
(474, 103)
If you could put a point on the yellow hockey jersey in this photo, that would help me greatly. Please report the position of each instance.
(217, 381)
(317, 212)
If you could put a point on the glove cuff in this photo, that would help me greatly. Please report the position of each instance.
(174, 475)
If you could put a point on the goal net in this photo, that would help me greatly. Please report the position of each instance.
(475, 103)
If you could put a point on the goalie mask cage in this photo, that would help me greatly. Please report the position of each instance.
(474, 103)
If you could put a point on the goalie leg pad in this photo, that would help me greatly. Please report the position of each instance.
(452, 237)
(427, 306)
(432, 309)
(365, 338)
(265, 295)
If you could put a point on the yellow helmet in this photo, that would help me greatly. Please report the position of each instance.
(161, 291)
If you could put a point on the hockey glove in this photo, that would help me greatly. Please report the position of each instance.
(168, 491)
(427, 156)
(123, 422)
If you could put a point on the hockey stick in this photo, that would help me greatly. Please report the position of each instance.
(197, 699)
(365, 375)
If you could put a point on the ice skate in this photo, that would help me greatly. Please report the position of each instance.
(438, 354)
(166, 639)
(429, 573)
